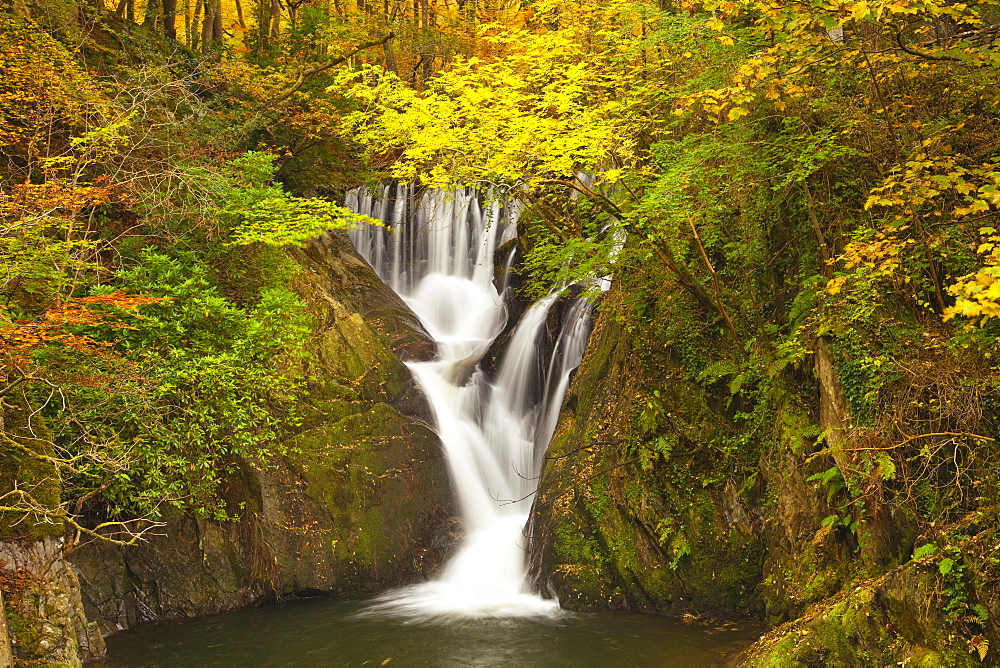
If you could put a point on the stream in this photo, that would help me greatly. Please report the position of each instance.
(495, 406)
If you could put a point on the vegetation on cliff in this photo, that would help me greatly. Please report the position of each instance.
(147, 302)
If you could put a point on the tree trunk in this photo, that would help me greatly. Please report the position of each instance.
(428, 67)
(390, 56)
(152, 14)
(239, 15)
(209, 25)
(170, 19)
(275, 19)
(243, 25)
(217, 33)
(263, 26)
(193, 33)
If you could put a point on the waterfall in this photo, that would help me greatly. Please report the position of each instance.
(437, 252)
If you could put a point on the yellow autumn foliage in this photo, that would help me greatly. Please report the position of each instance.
(978, 293)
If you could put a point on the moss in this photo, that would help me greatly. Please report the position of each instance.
(374, 472)
(25, 632)
(39, 478)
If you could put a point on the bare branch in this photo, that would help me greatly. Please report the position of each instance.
(305, 74)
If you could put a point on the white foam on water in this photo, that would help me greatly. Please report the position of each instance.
(438, 254)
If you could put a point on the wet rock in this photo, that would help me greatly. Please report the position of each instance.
(44, 611)
(609, 532)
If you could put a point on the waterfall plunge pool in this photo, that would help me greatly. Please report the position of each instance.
(336, 632)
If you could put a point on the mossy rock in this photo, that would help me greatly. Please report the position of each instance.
(895, 619)
(41, 596)
(363, 333)
(381, 482)
(617, 531)
(336, 276)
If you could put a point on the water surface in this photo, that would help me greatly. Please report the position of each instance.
(330, 632)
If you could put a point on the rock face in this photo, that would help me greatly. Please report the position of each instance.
(904, 616)
(614, 531)
(876, 623)
(44, 612)
(360, 505)
(651, 500)
(41, 612)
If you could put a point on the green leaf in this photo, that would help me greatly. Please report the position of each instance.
(924, 550)
(886, 468)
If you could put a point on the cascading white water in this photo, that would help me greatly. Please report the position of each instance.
(438, 254)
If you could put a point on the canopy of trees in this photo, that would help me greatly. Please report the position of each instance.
(782, 172)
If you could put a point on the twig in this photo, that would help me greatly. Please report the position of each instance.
(304, 74)
(920, 54)
(914, 438)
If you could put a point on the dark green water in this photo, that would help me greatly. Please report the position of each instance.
(327, 632)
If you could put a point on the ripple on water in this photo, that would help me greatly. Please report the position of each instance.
(330, 632)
